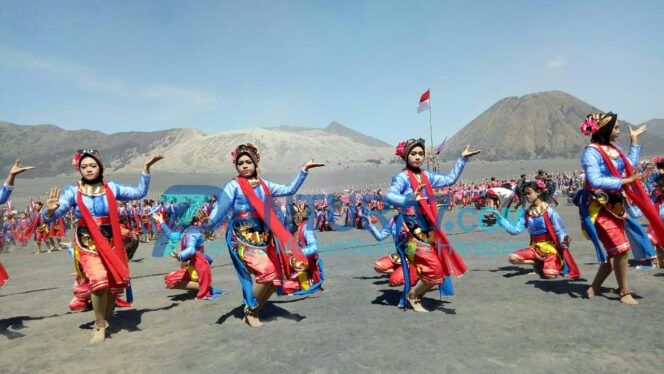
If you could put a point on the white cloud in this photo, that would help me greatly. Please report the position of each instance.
(88, 79)
(556, 63)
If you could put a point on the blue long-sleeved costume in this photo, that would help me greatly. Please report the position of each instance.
(232, 197)
(194, 239)
(97, 205)
(385, 232)
(536, 225)
(5, 192)
(401, 195)
(599, 177)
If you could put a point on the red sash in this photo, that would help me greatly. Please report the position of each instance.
(574, 271)
(635, 191)
(3, 275)
(33, 225)
(114, 257)
(452, 263)
(284, 237)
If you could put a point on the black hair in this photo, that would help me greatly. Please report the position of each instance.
(603, 135)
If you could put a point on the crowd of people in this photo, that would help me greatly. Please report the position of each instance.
(271, 235)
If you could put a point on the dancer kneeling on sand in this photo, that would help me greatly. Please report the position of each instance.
(194, 272)
(308, 277)
(256, 238)
(419, 237)
(548, 251)
(99, 248)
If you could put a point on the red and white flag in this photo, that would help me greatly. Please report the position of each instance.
(32, 205)
(424, 102)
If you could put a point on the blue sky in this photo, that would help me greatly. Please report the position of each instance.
(220, 65)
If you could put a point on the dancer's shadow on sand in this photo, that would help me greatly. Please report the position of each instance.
(8, 326)
(128, 320)
(380, 279)
(30, 291)
(574, 288)
(391, 297)
(269, 313)
(514, 271)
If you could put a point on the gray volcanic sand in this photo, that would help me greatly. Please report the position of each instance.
(503, 319)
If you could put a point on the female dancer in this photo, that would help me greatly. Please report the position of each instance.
(549, 241)
(5, 191)
(194, 272)
(610, 176)
(99, 247)
(420, 238)
(659, 206)
(309, 278)
(255, 230)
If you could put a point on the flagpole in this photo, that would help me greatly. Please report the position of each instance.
(430, 134)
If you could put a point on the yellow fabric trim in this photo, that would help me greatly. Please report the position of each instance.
(593, 210)
(192, 273)
(77, 266)
(303, 278)
(240, 251)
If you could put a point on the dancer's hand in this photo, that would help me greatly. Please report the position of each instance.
(158, 218)
(634, 134)
(635, 176)
(468, 153)
(52, 201)
(16, 170)
(151, 161)
(311, 164)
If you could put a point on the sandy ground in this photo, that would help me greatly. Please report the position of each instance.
(503, 319)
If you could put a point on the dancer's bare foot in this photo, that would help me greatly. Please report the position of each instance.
(251, 317)
(416, 304)
(628, 299)
(590, 293)
(99, 333)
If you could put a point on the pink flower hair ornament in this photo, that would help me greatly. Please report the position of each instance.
(540, 184)
(400, 148)
(589, 126)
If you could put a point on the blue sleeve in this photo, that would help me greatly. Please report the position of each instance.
(558, 225)
(634, 154)
(380, 235)
(311, 248)
(190, 248)
(661, 212)
(67, 201)
(278, 190)
(439, 180)
(396, 197)
(123, 192)
(512, 229)
(170, 234)
(225, 200)
(5, 192)
(591, 161)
